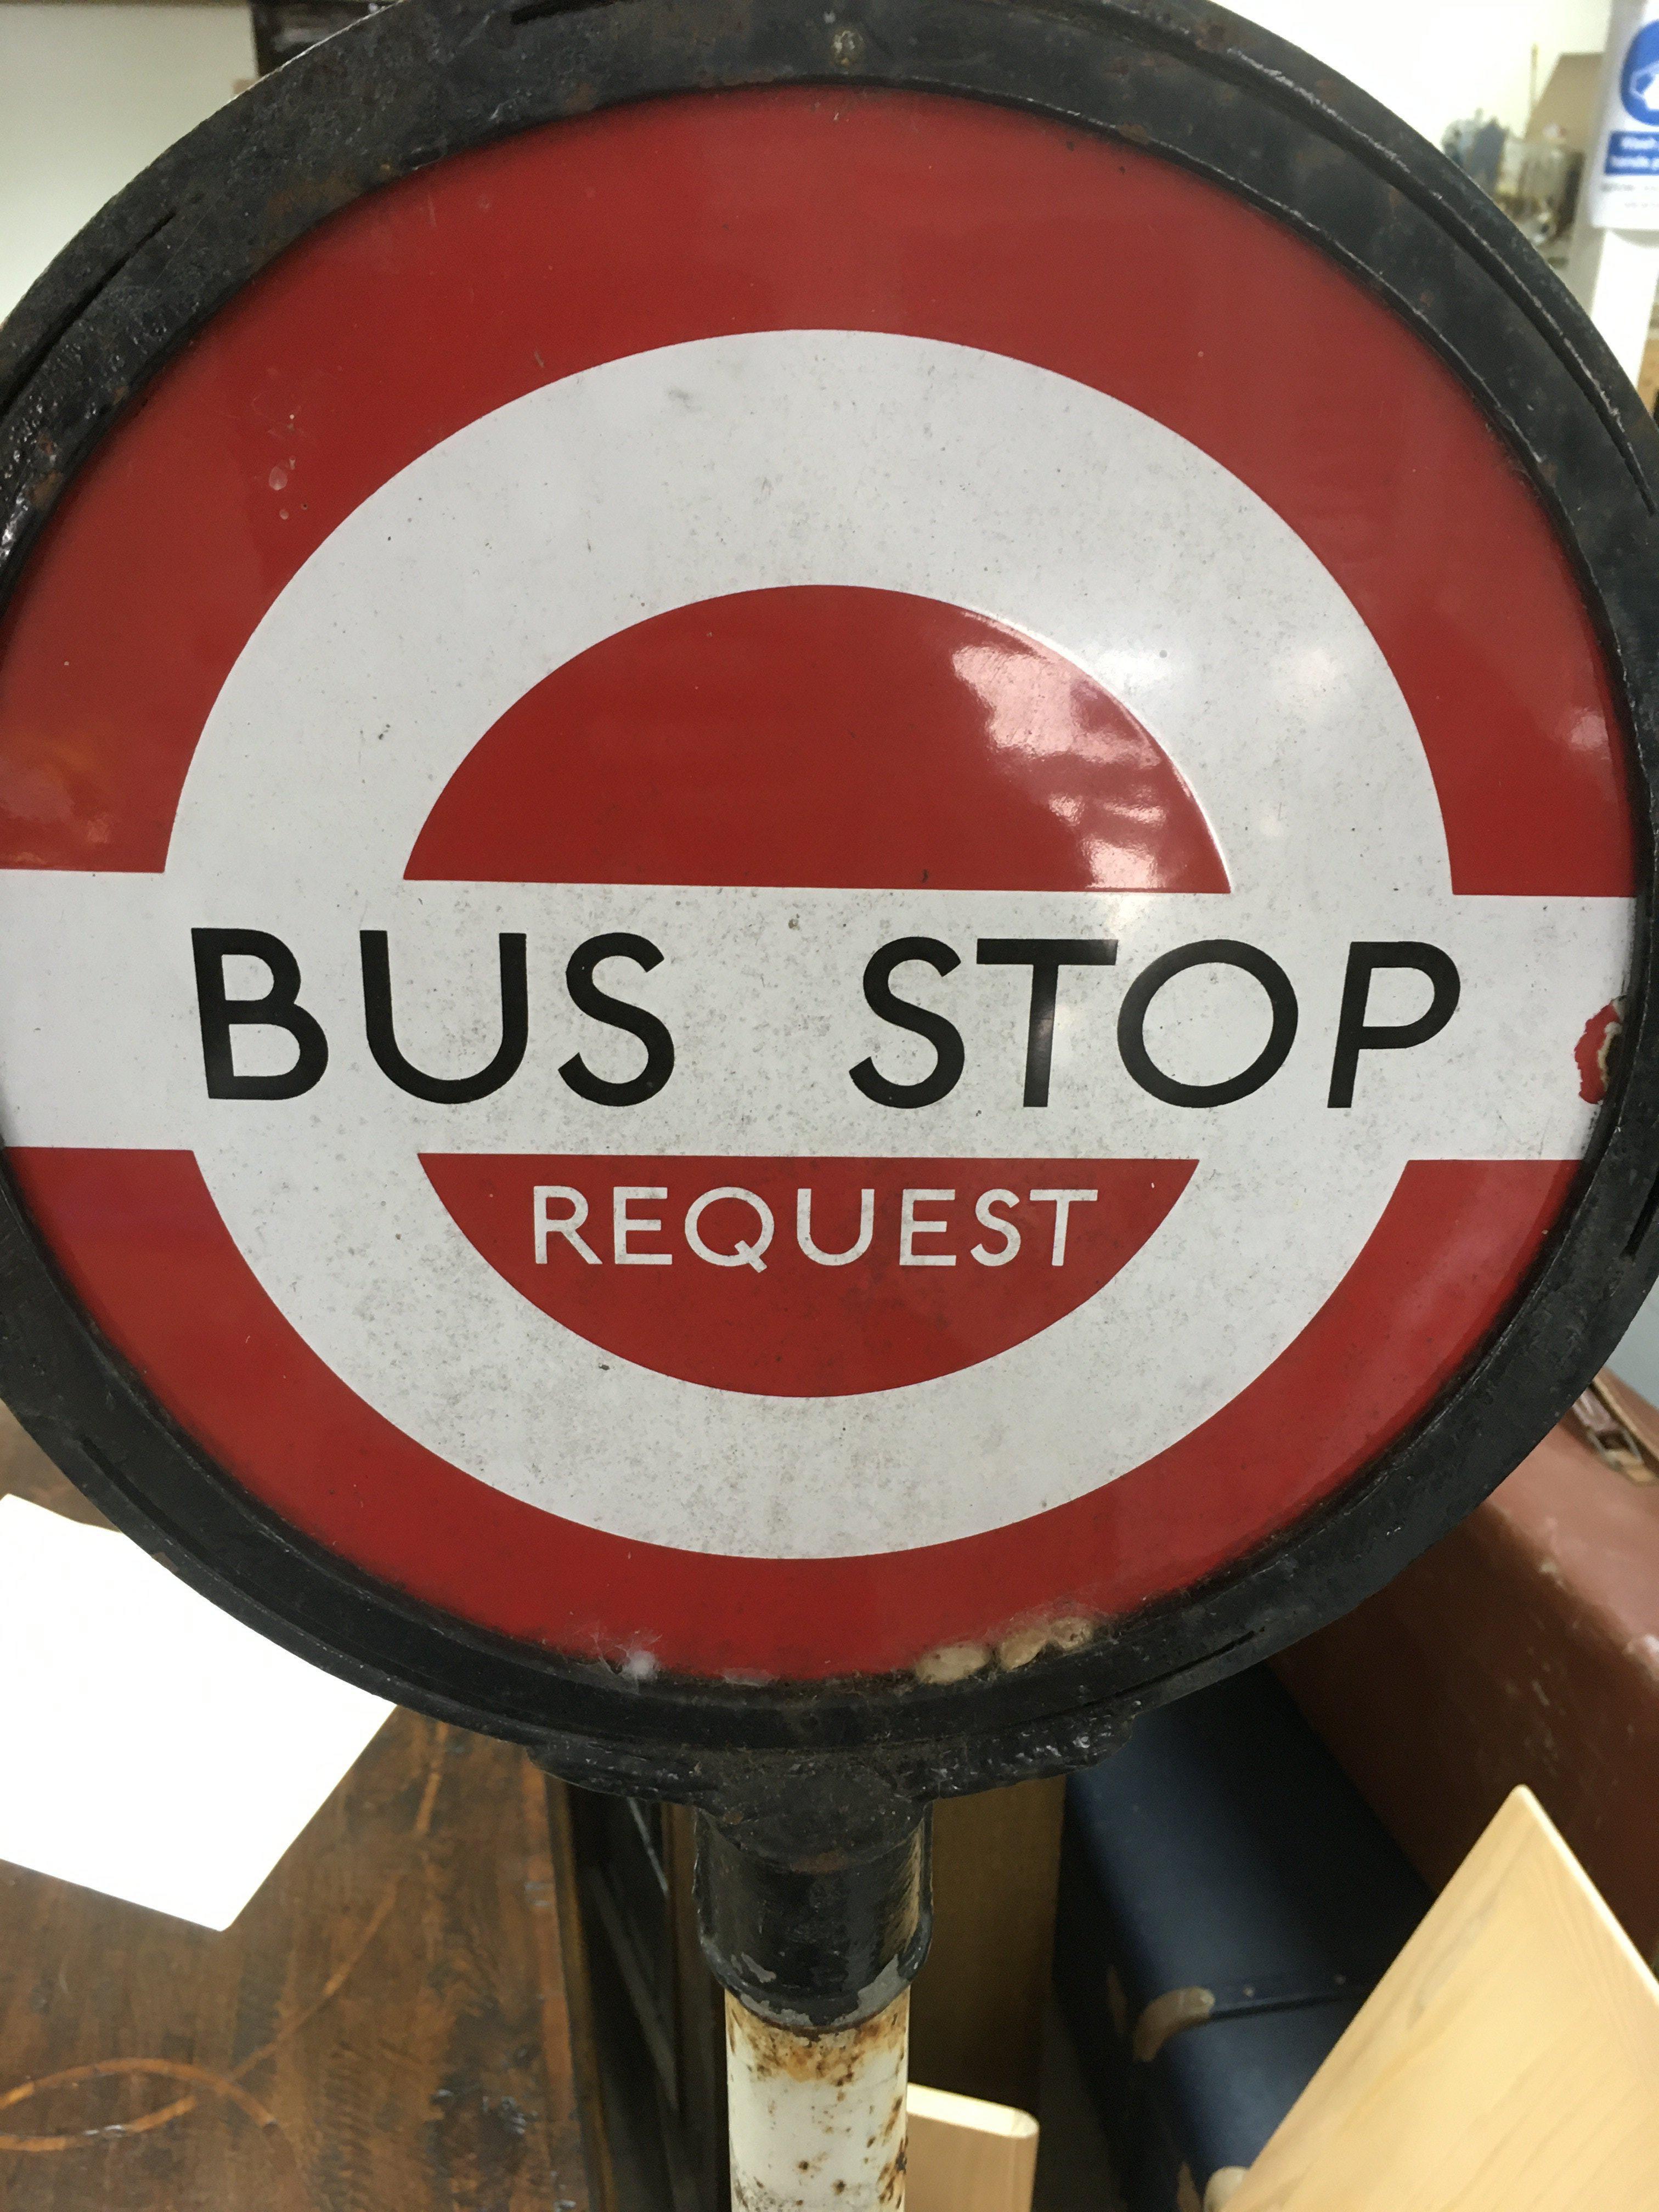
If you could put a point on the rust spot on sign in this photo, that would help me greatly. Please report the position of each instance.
(1595, 1050)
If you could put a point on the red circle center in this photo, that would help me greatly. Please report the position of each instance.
(821, 736)
(844, 738)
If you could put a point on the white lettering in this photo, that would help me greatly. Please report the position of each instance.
(988, 1219)
(1062, 1201)
(625, 1225)
(558, 1210)
(910, 1229)
(745, 1255)
(546, 1226)
(803, 1230)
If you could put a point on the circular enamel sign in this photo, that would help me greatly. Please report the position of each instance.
(812, 883)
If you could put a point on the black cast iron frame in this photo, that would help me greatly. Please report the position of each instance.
(1179, 78)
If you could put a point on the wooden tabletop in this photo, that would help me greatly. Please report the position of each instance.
(382, 2030)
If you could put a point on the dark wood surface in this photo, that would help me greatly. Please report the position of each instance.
(382, 2030)
(1524, 1647)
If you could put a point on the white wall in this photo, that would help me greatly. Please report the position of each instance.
(1434, 61)
(89, 95)
(1637, 1360)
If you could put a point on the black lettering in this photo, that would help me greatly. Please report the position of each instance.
(1045, 956)
(1212, 951)
(589, 1000)
(1354, 1035)
(279, 1009)
(943, 1035)
(445, 1090)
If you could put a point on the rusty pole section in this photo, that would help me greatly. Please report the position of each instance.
(816, 2119)
(813, 1907)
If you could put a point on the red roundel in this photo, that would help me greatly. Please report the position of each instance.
(802, 892)
(878, 741)
(841, 738)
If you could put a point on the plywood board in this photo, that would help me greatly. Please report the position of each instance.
(966, 2156)
(1510, 2058)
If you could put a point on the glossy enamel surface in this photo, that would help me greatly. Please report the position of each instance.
(984, 703)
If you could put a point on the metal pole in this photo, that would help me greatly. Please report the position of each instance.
(814, 1912)
(816, 2119)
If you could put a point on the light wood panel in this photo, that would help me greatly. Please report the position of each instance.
(1508, 2062)
(977, 2009)
(966, 2156)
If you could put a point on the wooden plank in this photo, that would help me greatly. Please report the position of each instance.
(382, 2026)
(977, 2009)
(699, 2015)
(1508, 2058)
(588, 2087)
(968, 2155)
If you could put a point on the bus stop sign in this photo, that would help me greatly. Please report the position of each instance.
(825, 847)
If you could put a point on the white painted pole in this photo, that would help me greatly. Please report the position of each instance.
(1614, 275)
(1613, 268)
(816, 2122)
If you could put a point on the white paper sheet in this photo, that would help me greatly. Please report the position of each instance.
(151, 1746)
